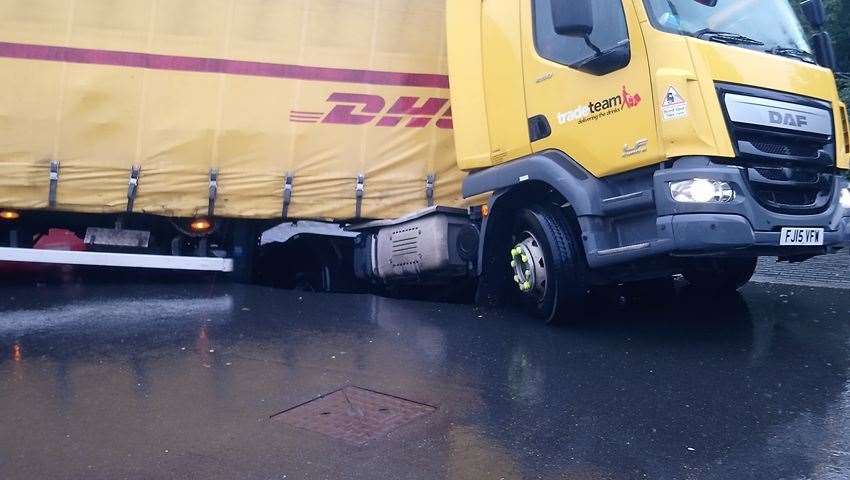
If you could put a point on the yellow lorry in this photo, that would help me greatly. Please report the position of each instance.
(582, 142)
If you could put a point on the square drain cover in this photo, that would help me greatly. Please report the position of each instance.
(354, 414)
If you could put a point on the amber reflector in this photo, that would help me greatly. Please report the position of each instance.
(9, 215)
(200, 225)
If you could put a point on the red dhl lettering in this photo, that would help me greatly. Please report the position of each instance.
(365, 109)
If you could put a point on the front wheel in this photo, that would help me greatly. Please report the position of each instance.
(719, 275)
(548, 269)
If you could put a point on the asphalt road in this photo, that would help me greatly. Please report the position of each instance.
(183, 380)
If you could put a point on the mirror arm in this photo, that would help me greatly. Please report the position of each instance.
(592, 45)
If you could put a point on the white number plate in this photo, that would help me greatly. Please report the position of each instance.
(801, 236)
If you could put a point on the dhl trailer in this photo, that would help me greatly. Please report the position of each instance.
(582, 142)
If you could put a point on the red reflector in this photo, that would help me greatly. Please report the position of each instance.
(60, 239)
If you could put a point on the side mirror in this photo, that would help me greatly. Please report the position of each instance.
(815, 13)
(572, 18)
(824, 50)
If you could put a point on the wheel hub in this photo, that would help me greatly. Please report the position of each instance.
(529, 266)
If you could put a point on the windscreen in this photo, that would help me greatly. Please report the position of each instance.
(771, 22)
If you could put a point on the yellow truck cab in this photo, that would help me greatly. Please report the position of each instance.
(623, 139)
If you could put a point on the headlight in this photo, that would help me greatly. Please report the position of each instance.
(845, 197)
(701, 190)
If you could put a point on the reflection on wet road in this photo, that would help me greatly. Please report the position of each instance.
(179, 381)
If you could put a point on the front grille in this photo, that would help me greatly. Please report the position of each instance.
(790, 170)
(773, 148)
(785, 174)
(764, 147)
(791, 191)
(782, 145)
(759, 142)
(795, 198)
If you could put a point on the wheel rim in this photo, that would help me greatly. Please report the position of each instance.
(529, 266)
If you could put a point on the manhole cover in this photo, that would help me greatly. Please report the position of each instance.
(354, 414)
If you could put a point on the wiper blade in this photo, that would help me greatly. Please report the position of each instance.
(792, 53)
(726, 37)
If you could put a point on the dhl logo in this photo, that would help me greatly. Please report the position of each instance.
(363, 109)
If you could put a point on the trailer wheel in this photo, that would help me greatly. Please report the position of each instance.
(548, 269)
(719, 275)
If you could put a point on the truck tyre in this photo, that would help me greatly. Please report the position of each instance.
(719, 275)
(548, 268)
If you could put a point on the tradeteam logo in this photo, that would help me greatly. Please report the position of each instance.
(363, 109)
(600, 108)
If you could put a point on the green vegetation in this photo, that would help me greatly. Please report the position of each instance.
(839, 28)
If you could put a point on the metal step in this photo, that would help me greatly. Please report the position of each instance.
(129, 260)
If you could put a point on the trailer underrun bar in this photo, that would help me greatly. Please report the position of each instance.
(103, 259)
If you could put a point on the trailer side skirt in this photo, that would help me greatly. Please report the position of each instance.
(132, 260)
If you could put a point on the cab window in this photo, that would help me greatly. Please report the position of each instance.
(610, 36)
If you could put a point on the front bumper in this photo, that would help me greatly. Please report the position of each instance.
(733, 234)
(743, 226)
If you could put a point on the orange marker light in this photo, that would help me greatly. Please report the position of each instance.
(200, 225)
(485, 210)
(9, 215)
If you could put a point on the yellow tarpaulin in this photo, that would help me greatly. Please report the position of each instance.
(324, 90)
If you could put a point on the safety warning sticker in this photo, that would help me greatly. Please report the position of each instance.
(674, 105)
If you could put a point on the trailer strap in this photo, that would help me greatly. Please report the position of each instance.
(54, 183)
(213, 191)
(429, 188)
(358, 195)
(287, 194)
(133, 187)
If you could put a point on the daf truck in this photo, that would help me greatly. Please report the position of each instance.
(535, 148)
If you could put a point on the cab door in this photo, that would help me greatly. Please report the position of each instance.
(594, 93)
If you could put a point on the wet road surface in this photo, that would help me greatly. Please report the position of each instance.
(147, 381)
